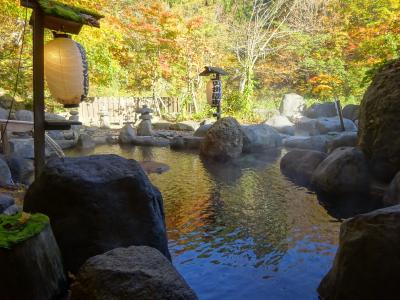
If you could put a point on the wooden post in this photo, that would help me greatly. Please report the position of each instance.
(38, 89)
(340, 113)
(4, 140)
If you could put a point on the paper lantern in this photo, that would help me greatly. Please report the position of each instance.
(66, 71)
(214, 92)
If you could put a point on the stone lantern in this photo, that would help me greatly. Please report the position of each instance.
(145, 127)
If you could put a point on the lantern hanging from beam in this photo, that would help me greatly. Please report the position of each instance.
(214, 92)
(66, 70)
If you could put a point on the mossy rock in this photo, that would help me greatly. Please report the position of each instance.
(379, 123)
(20, 227)
(67, 12)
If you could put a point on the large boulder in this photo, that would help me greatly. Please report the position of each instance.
(260, 137)
(367, 264)
(292, 105)
(130, 273)
(392, 196)
(202, 130)
(127, 134)
(5, 174)
(344, 171)
(22, 170)
(325, 125)
(224, 140)
(351, 112)
(321, 110)
(306, 126)
(85, 142)
(281, 124)
(299, 165)
(316, 142)
(379, 123)
(24, 115)
(343, 139)
(98, 203)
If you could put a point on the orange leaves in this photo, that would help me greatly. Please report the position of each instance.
(194, 23)
(324, 85)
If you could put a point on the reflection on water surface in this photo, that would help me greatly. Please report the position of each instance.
(241, 230)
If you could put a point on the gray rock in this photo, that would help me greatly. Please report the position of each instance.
(344, 171)
(202, 130)
(224, 140)
(325, 125)
(6, 101)
(66, 144)
(150, 141)
(22, 147)
(112, 140)
(5, 202)
(259, 138)
(24, 115)
(185, 126)
(102, 202)
(56, 134)
(51, 116)
(367, 262)
(317, 142)
(127, 134)
(292, 106)
(379, 123)
(145, 117)
(5, 174)
(145, 128)
(70, 134)
(344, 139)
(130, 273)
(22, 170)
(306, 126)
(3, 114)
(299, 165)
(161, 126)
(186, 143)
(74, 112)
(144, 110)
(281, 124)
(351, 112)
(392, 196)
(207, 122)
(321, 110)
(85, 142)
(12, 210)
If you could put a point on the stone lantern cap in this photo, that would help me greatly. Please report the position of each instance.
(144, 110)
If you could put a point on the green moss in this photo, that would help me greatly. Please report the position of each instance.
(20, 227)
(67, 12)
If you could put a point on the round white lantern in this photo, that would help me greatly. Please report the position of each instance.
(214, 92)
(66, 71)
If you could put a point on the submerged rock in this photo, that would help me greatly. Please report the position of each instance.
(344, 171)
(224, 140)
(325, 125)
(367, 265)
(260, 137)
(299, 165)
(379, 123)
(98, 203)
(130, 273)
(85, 142)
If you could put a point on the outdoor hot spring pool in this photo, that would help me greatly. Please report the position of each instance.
(240, 231)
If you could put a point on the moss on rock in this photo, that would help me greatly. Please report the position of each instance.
(20, 227)
(67, 12)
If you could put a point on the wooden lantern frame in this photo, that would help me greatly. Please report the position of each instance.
(41, 20)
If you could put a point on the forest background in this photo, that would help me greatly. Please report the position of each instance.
(320, 49)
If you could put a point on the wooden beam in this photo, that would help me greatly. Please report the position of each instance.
(38, 89)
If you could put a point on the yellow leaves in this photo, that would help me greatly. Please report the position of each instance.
(324, 85)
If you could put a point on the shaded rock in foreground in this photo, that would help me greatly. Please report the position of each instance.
(351, 112)
(343, 139)
(344, 171)
(392, 196)
(379, 123)
(130, 273)
(224, 140)
(98, 203)
(261, 137)
(299, 165)
(367, 264)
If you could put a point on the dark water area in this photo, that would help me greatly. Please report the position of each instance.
(241, 230)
